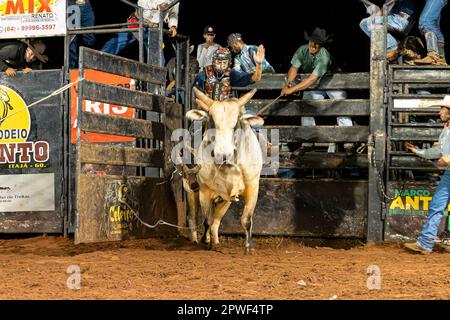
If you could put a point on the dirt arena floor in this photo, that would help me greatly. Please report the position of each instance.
(36, 268)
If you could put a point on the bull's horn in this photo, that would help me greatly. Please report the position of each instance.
(246, 98)
(202, 105)
(203, 97)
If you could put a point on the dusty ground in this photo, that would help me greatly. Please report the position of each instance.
(35, 268)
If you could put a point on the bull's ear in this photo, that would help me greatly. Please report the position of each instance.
(252, 120)
(196, 115)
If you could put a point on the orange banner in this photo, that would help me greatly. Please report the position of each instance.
(99, 107)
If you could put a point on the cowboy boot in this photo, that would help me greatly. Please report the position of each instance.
(441, 48)
(432, 57)
(392, 56)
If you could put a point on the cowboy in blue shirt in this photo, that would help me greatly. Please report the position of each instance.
(218, 79)
(244, 60)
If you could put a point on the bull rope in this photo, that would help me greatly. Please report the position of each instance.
(268, 106)
(54, 93)
(160, 222)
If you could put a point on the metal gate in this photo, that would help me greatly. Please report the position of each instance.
(411, 180)
(309, 204)
(108, 206)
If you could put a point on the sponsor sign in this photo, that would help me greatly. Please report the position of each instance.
(16, 152)
(32, 18)
(120, 217)
(409, 209)
(99, 107)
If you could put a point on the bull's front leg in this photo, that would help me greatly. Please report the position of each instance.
(206, 205)
(250, 198)
(219, 211)
(193, 204)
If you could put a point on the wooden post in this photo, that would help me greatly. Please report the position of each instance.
(378, 65)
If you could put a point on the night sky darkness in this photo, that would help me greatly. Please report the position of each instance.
(279, 25)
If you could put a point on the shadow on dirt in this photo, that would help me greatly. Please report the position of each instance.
(55, 245)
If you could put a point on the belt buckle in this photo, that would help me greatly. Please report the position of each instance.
(151, 24)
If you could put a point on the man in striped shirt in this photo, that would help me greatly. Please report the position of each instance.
(244, 61)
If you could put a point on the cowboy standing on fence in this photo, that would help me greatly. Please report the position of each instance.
(152, 9)
(429, 26)
(439, 204)
(313, 58)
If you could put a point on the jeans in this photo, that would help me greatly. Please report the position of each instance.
(333, 95)
(116, 44)
(430, 19)
(438, 205)
(123, 39)
(87, 19)
(395, 22)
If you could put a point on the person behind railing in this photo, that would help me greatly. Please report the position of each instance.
(399, 23)
(205, 51)
(439, 204)
(314, 59)
(244, 61)
(24, 54)
(86, 19)
(218, 79)
(151, 17)
(171, 74)
(429, 26)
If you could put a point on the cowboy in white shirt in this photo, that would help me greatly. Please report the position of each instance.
(152, 9)
(152, 12)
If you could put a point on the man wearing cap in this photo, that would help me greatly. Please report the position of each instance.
(21, 55)
(314, 59)
(439, 204)
(206, 50)
(218, 79)
(244, 61)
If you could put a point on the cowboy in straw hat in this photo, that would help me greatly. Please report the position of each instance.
(439, 204)
(20, 55)
(314, 59)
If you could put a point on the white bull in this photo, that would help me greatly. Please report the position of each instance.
(230, 162)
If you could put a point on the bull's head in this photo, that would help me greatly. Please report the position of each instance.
(224, 117)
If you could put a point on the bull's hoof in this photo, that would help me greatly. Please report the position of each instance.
(194, 238)
(215, 248)
(205, 240)
(249, 251)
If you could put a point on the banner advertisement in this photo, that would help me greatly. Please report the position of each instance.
(32, 18)
(99, 107)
